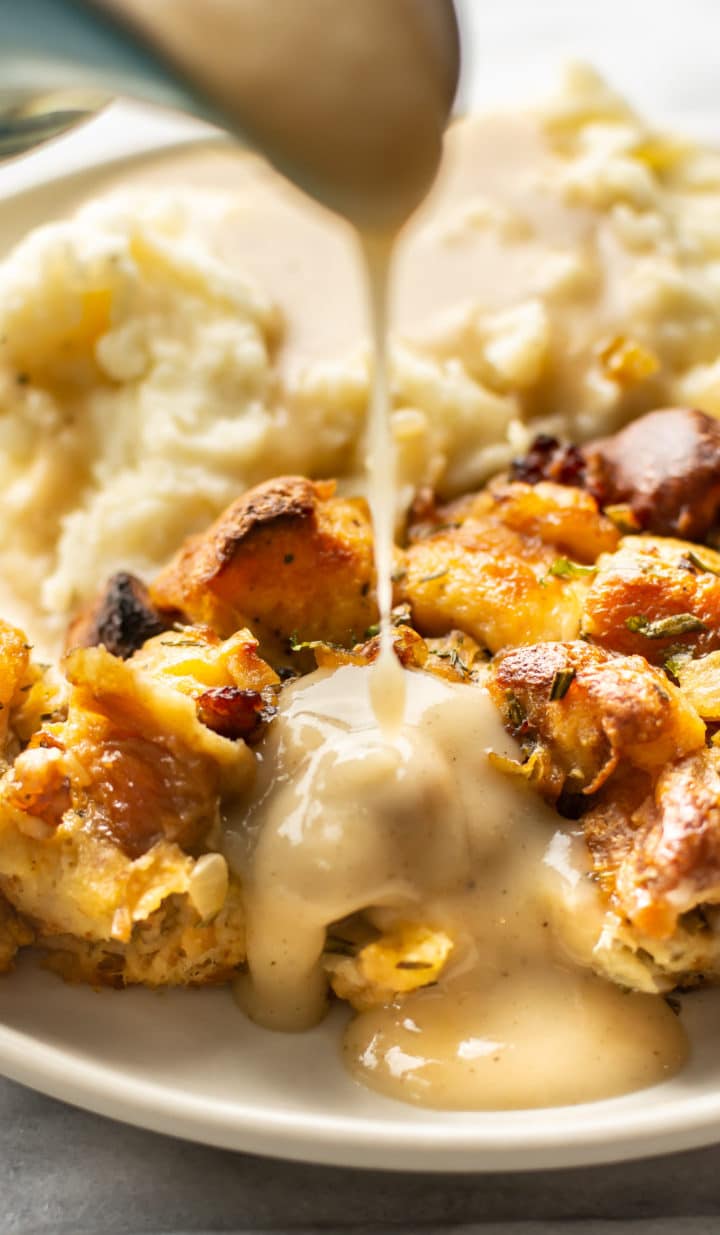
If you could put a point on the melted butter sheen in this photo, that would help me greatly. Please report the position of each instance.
(422, 827)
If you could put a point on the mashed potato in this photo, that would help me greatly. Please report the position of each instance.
(565, 276)
(135, 376)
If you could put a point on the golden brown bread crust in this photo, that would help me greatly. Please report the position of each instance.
(584, 713)
(121, 618)
(108, 814)
(651, 584)
(659, 851)
(484, 564)
(286, 559)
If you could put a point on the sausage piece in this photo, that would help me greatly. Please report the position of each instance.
(666, 467)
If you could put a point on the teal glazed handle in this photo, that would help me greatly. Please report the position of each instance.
(61, 60)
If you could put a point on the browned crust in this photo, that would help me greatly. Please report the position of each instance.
(666, 467)
(120, 618)
(285, 499)
(286, 559)
(661, 856)
(612, 709)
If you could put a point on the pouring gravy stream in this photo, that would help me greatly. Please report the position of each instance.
(374, 788)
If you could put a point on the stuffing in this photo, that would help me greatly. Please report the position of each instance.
(581, 713)
(288, 559)
(109, 816)
(655, 596)
(383, 969)
(493, 565)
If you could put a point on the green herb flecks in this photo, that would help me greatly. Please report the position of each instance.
(299, 645)
(665, 628)
(452, 656)
(561, 683)
(692, 559)
(564, 568)
(516, 713)
(675, 660)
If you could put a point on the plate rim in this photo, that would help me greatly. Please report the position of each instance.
(578, 1136)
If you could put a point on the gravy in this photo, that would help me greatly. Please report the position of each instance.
(422, 828)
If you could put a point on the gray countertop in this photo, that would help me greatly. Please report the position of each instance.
(64, 1172)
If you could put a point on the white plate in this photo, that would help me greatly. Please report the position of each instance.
(188, 1063)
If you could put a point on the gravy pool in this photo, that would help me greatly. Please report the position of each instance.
(423, 828)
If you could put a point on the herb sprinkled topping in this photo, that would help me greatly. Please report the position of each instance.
(452, 656)
(691, 559)
(664, 628)
(516, 713)
(561, 683)
(564, 568)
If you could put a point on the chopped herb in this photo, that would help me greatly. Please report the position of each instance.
(675, 660)
(691, 559)
(564, 568)
(181, 643)
(397, 576)
(454, 659)
(664, 628)
(516, 715)
(438, 574)
(561, 683)
(624, 518)
(413, 965)
(289, 557)
(298, 645)
(372, 631)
